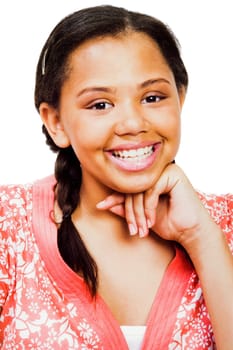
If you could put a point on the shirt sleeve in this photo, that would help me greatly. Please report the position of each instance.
(7, 244)
(220, 208)
(229, 230)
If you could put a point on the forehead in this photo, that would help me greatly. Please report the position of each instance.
(130, 53)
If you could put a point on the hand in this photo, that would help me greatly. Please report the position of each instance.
(171, 208)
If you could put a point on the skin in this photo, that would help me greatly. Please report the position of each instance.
(128, 119)
(108, 104)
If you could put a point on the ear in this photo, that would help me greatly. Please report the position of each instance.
(50, 118)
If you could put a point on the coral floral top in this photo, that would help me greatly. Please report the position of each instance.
(45, 305)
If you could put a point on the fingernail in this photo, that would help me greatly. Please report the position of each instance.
(149, 223)
(101, 204)
(132, 230)
(141, 232)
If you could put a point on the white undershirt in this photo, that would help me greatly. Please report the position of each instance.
(134, 336)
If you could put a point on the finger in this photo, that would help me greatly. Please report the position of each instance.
(151, 198)
(139, 214)
(129, 215)
(164, 185)
(118, 210)
(111, 201)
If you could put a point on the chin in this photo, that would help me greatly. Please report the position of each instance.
(136, 186)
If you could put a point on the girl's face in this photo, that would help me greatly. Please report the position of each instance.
(120, 111)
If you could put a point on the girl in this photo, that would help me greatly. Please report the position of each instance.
(116, 250)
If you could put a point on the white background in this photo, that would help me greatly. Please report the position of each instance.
(205, 31)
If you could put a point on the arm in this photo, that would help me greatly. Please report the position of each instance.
(173, 210)
(213, 262)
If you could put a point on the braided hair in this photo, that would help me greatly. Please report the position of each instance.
(52, 71)
(68, 175)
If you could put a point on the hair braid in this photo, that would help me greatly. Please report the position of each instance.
(68, 175)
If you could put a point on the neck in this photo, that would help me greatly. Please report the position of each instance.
(91, 193)
(101, 224)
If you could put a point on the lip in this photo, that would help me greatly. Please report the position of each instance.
(137, 164)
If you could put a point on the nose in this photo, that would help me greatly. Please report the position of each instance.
(130, 120)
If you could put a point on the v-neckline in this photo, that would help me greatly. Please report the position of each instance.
(161, 318)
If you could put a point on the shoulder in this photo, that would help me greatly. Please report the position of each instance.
(220, 208)
(44, 185)
(15, 223)
(15, 215)
(15, 200)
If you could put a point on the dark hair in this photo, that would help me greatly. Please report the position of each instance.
(52, 70)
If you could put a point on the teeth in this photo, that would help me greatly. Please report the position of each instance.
(134, 153)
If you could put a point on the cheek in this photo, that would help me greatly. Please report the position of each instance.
(91, 133)
(168, 124)
(86, 141)
(176, 128)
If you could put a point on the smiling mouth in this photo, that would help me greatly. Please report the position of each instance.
(134, 154)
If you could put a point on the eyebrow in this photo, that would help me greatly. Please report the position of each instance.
(112, 90)
(153, 81)
(95, 89)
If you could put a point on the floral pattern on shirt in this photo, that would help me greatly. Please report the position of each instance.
(36, 315)
(193, 329)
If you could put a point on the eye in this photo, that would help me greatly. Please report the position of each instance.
(152, 99)
(100, 105)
